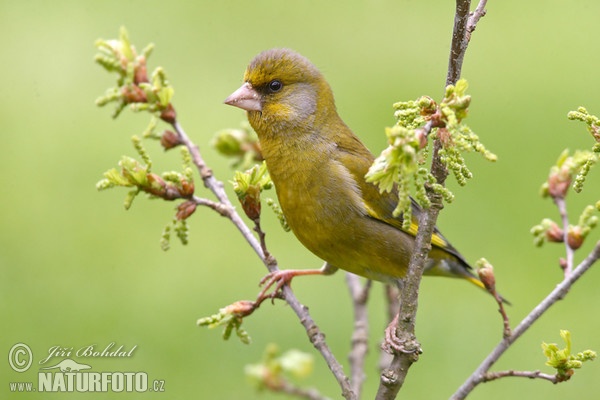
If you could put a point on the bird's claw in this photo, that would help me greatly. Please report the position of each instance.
(279, 279)
(394, 344)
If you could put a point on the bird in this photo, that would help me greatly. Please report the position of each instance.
(318, 167)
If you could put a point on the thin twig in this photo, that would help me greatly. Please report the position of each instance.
(360, 335)
(476, 15)
(263, 243)
(221, 208)
(564, 216)
(293, 390)
(506, 332)
(460, 41)
(558, 293)
(216, 187)
(490, 376)
(316, 337)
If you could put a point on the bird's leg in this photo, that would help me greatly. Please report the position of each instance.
(280, 278)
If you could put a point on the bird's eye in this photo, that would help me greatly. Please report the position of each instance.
(275, 86)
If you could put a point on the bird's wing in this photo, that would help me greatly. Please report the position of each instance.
(358, 159)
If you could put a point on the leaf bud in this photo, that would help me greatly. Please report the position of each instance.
(575, 237)
(185, 209)
(169, 139)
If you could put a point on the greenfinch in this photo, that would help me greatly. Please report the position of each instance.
(318, 166)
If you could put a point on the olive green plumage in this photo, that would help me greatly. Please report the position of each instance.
(318, 167)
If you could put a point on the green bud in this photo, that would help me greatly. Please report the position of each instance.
(298, 363)
(562, 360)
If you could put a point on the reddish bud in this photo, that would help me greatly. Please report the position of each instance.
(168, 114)
(563, 263)
(133, 94)
(437, 121)
(240, 308)
(169, 139)
(558, 183)
(185, 209)
(251, 206)
(575, 237)
(486, 275)
(156, 185)
(554, 234)
(140, 74)
(186, 188)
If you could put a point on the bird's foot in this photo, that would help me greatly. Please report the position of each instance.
(276, 279)
(394, 343)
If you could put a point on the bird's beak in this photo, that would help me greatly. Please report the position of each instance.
(245, 98)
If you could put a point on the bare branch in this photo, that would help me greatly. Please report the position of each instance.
(557, 294)
(476, 15)
(490, 376)
(290, 389)
(221, 208)
(360, 335)
(460, 41)
(564, 216)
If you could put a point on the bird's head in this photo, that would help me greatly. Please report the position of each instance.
(283, 90)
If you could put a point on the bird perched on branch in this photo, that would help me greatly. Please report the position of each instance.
(318, 167)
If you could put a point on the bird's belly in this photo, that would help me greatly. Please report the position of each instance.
(353, 242)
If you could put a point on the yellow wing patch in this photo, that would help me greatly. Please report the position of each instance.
(436, 239)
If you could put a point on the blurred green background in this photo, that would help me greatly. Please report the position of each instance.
(76, 269)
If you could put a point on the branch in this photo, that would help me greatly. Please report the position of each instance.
(490, 376)
(216, 187)
(316, 337)
(460, 40)
(292, 390)
(392, 378)
(360, 335)
(558, 293)
(476, 15)
(564, 216)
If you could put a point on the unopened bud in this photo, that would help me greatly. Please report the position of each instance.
(486, 274)
(186, 188)
(240, 308)
(168, 114)
(563, 263)
(156, 185)
(185, 209)
(558, 183)
(251, 206)
(169, 139)
(575, 237)
(554, 233)
(140, 75)
(133, 94)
